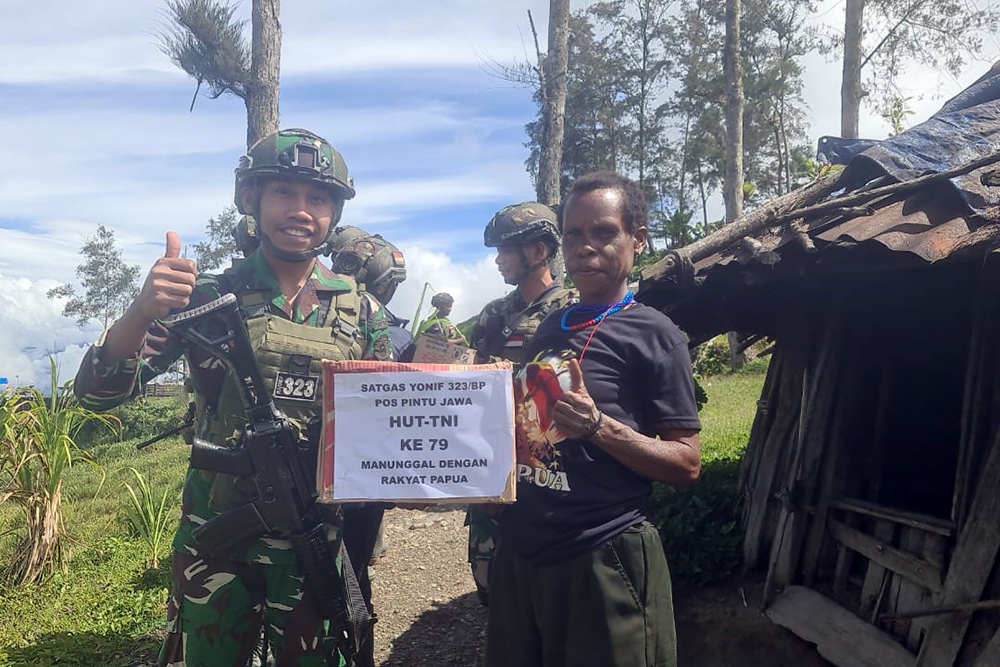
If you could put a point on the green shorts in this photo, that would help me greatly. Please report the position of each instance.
(609, 607)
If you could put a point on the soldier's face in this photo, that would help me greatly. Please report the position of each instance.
(515, 262)
(510, 265)
(296, 215)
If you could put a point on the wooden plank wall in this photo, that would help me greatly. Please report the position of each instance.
(803, 466)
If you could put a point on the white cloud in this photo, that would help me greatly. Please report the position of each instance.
(473, 285)
(32, 328)
(56, 41)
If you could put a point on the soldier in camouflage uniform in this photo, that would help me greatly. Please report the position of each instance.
(295, 185)
(378, 267)
(526, 237)
(438, 323)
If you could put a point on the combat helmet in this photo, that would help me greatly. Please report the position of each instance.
(300, 155)
(374, 262)
(522, 223)
(342, 235)
(442, 301)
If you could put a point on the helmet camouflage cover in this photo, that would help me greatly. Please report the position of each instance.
(297, 154)
(374, 262)
(522, 223)
(342, 235)
(442, 299)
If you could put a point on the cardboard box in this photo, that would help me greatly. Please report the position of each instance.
(433, 349)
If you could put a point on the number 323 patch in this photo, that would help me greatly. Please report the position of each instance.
(292, 386)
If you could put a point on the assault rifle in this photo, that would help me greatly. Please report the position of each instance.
(270, 453)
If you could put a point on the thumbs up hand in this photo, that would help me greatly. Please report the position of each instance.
(169, 284)
(575, 413)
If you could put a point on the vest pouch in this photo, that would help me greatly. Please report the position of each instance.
(275, 340)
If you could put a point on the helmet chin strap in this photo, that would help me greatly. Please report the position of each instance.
(526, 269)
(287, 256)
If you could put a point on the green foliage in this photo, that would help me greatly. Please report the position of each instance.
(942, 35)
(466, 327)
(150, 518)
(111, 285)
(700, 526)
(894, 111)
(104, 611)
(711, 357)
(107, 607)
(38, 449)
(220, 247)
(206, 40)
(622, 115)
(140, 419)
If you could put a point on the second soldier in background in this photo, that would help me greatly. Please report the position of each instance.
(526, 237)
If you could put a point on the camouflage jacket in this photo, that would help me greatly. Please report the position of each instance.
(101, 387)
(506, 324)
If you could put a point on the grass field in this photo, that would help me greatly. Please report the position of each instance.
(106, 607)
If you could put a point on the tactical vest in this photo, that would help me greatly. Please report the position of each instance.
(508, 331)
(286, 352)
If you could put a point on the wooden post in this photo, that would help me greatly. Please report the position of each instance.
(971, 564)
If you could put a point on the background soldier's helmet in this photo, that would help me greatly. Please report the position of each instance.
(442, 300)
(374, 262)
(301, 155)
(522, 223)
(342, 235)
(246, 235)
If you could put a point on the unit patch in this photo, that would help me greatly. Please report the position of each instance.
(293, 386)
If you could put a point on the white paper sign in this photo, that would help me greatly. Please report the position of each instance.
(423, 435)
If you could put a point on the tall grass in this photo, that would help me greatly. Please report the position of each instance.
(38, 450)
(107, 608)
(151, 516)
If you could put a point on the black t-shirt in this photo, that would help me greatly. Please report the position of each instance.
(573, 496)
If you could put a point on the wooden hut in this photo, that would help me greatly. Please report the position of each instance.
(871, 480)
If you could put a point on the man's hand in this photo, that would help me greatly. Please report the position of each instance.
(575, 413)
(169, 284)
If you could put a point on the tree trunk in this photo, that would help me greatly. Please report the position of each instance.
(850, 87)
(733, 193)
(554, 103)
(265, 70)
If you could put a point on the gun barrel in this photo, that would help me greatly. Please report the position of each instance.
(166, 434)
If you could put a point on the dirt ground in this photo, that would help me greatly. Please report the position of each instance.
(429, 615)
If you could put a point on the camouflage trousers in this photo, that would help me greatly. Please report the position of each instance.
(483, 532)
(217, 608)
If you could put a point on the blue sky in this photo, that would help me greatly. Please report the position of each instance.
(96, 130)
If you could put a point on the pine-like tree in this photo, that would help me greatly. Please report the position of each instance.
(110, 284)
